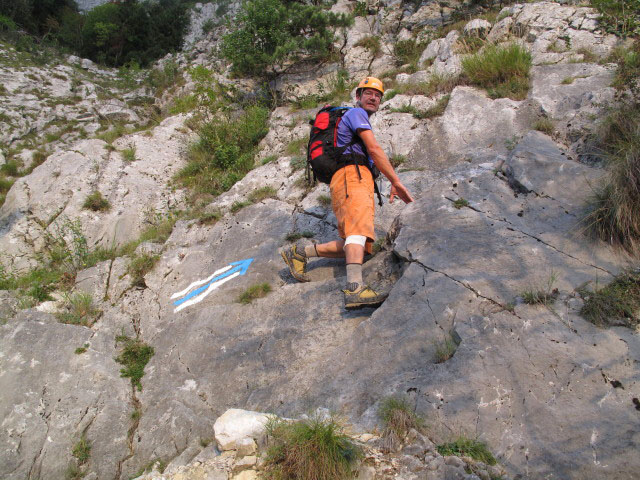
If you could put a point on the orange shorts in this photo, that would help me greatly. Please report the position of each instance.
(353, 203)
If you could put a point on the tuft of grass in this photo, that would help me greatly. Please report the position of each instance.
(397, 160)
(408, 52)
(269, 159)
(209, 218)
(262, 194)
(377, 245)
(616, 304)
(588, 55)
(129, 154)
(254, 292)
(79, 310)
(134, 356)
(237, 206)
(82, 450)
(136, 414)
(297, 146)
(567, 80)
(298, 162)
(309, 450)
(541, 296)
(460, 203)
(371, 43)
(139, 266)
(398, 417)
(445, 349)
(293, 236)
(465, 447)
(82, 349)
(502, 70)
(324, 200)
(96, 202)
(467, 45)
(544, 125)
(437, 83)
(615, 203)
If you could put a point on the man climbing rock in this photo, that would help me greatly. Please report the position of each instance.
(352, 199)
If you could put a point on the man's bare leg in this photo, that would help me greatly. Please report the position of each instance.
(334, 249)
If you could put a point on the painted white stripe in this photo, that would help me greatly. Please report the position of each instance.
(200, 282)
(200, 297)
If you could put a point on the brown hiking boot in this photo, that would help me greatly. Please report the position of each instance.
(360, 296)
(296, 262)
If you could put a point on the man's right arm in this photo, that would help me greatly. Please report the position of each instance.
(385, 167)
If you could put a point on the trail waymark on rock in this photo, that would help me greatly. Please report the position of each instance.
(192, 295)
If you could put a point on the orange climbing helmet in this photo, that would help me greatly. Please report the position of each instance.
(371, 82)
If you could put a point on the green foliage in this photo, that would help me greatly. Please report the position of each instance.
(465, 447)
(397, 160)
(119, 33)
(262, 194)
(224, 151)
(616, 200)
(398, 417)
(139, 266)
(38, 17)
(435, 111)
(616, 304)
(628, 71)
(82, 450)
(82, 349)
(254, 292)
(237, 206)
(293, 236)
(297, 146)
(544, 125)
(324, 200)
(408, 52)
(129, 154)
(66, 246)
(360, 9)
(269, 34)
(134, 356)
(460, 203)
(79, 310)
(445, 349)
(502, 70)
(309, 450)
(96, 202)
(541, 296)
(209, 218)
(621, 17)
(435, 84)
(371, 43)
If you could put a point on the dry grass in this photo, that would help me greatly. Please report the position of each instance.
(398, 418)
(309, 450)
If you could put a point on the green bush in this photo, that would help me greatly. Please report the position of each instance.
(465, 447)
(621, 17)
(254, 292)
(408, 52)
(82, 450)
(371, 43)
(398, 417)
(134, 356)
(79, 310)
(269, 34)
(119, 33)
(224, 151)
(616, 304)
(616, 201)
(503, 71)
(96, 202)
(309, 450)
(139, 266)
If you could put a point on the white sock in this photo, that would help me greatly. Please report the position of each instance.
(354, 273)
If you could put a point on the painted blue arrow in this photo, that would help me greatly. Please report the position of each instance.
(240, 267)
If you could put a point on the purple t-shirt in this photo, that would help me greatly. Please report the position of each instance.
(351, 121)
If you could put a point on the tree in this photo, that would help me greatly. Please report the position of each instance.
(271, 35)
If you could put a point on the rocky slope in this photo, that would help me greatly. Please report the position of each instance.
(551, 394)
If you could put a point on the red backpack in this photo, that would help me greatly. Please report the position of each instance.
(324, 157)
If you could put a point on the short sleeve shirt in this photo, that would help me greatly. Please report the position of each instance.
(347, 129)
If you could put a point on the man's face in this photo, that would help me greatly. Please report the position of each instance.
(370, 100)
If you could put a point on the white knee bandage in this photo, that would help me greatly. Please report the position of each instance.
(357, 239)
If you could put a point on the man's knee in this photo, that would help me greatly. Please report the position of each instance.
(356, 240)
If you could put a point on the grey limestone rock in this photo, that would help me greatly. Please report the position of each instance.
(477, 27)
